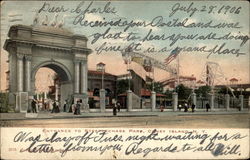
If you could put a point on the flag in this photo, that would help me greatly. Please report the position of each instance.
(147, 65)
(148, 68)
(138, 60)
(172, 56)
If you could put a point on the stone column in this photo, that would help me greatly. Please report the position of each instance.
(102, 100)
(227, 101)
(212, 101)
(129, 100)
(77, 76)
(20, 72)
(37, 97)
(193, 98)
(56, 91)
(86, 85)
(45, 95)
(174, 101)
(84, 77)
(248, 107)
(241, 97)
(27, 73)
(153, 100)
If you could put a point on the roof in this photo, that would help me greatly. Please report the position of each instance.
(144, 92)
(101, 63)
(99, 73)
(233, 79)
(54, 30)
(200, 81)
(45, 29)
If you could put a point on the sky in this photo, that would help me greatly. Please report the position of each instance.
(191, 63)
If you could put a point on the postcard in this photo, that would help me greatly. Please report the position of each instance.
(125, 80)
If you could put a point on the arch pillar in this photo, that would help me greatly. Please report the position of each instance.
(81, 81)
(27, 73)
(84, 76)
(77, 77)
(20, 72)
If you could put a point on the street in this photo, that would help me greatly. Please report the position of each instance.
(147, 121)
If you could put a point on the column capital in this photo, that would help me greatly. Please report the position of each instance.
(77, 61)
(77, 75)
(20, 56)
(83, 61)
(20, 72)
(28, 57)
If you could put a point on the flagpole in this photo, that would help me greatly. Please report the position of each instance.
(178, 69)
(153, 75)
(129, 74)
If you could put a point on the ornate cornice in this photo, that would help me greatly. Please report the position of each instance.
(82, 50)
(77, 61)
(45, 37)
(58, 48)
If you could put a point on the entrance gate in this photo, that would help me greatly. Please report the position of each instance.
(33, 47)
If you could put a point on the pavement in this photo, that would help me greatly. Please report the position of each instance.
(64, 115)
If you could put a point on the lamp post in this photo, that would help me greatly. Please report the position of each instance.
(128, 59)
(101, 67)
(240, 87)
(241, 97)
(153, 76)
(103, 70)
(129, 76)
(226, 85)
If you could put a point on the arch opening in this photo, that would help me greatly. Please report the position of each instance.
(51, 83)
(59, 71)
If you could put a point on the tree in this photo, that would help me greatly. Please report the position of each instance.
(168, 94)
(4, 103)
(183, 92)
(203, 91)
(223, 90)
(226, 90)
(158, 87)
(122, 86)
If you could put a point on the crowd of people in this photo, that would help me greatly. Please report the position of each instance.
(191, 108)
(49, 105)
(187, 108)
(53, 106)
(75, 108)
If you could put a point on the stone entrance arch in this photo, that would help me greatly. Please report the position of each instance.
(33, 47)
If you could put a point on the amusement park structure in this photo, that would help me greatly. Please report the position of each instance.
(152, 62)
(212, 74)
(171, 82)
(149, 61)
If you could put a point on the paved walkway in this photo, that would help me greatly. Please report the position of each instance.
(64, 115)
